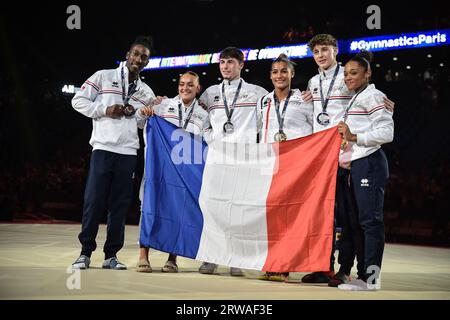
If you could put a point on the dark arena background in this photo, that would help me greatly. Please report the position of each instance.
(44, 149)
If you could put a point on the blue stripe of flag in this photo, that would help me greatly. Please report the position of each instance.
(171, 217)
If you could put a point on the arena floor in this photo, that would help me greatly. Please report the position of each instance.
(34, 259)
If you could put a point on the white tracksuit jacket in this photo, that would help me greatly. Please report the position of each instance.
(244, 116)
(339, 96)
(168, 109)
(371, 122)
(101, 90)
(298, 120)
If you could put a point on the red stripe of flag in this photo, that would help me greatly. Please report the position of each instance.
(300, 203)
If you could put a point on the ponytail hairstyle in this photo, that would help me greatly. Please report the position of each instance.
(192, 73)
(284, 58)
(196, 76)
(363, 58)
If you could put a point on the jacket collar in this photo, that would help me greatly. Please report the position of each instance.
(233, 83)
(179, 100)
(126, 72)
(327, 74)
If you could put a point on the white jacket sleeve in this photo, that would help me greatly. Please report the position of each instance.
(382, 123)
(308, 87)
(141, 119)
(162, 107)
(84, 100)
(204, 99)
(261, 92)
(308, 108)
(207, 130)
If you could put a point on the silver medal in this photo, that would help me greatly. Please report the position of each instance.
(323, 118)
(228, 127)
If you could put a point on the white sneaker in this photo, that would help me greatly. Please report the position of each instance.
(113, 263)
(357, 285)
(81, 263)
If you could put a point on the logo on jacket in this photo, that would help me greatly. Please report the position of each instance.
(216, 98)
(364, 182)
(296, 100)
(171, 110)
(115, 84)
(266, 103)
(315, 90)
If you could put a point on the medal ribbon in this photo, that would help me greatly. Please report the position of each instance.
(352, 101)
(325, 102)
(131, 89)
(277, 109)
(180, 115)
(229, 111)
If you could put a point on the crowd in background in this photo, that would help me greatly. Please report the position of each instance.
(43, 141)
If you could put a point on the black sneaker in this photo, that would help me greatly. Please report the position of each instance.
(318, 277)
(207, 268)
(236, 272)
(339, 278)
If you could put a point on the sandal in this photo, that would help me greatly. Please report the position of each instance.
(279, 276)
(143, 266)
(170, 267)
(266, 276)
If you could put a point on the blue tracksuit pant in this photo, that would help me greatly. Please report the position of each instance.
(109, 186)
(360, 198)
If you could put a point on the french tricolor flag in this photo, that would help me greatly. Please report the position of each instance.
(266, 207)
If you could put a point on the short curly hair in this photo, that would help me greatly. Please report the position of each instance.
(322, 39)
(145, 41)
